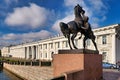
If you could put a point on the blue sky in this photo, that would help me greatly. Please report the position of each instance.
(28, 20)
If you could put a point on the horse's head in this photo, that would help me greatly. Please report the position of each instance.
(78, 9)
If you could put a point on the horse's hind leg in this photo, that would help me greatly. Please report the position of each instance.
(84, 44)
(72, 38)
(69, 41)
(95, 44)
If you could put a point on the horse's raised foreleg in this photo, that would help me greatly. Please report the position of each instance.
(69, 41)
(72, 38)
(84, 44)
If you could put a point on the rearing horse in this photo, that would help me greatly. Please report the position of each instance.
(73, 28)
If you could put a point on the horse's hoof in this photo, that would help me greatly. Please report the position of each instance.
(97, 51)
(76, 48)
(71, 48)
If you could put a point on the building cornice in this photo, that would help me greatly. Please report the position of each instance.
(106, 28)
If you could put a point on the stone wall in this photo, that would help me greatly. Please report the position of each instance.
(30, 72)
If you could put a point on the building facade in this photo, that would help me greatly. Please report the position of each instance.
(107, 39)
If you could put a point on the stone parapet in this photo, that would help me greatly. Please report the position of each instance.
(30, 72)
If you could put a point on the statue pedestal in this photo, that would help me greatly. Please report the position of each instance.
(78, 64)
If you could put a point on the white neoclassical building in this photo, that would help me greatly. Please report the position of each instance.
(107, 39)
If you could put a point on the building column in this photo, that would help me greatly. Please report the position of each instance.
(27, 52)
(42, 57)
(32, 50)
(48, 51)
(96, 40)
(38, 56)
(113, 48)
(54, 48)
(61, 47)
(36, 51)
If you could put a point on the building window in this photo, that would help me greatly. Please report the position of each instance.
(51, 45)
(40, 46)
(45, 46)
(104, 56)
(8, 50)
(57, 45)
(41, 55)
(104, 39)
(45, 55)
(65, 44)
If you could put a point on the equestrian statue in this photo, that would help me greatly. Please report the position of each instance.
(79, 24)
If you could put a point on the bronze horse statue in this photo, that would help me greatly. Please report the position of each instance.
(73, 28)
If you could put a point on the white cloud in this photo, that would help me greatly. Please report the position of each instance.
(25, 37)
(97, 4)
(33, 16)
(9, 36)
(37, 35)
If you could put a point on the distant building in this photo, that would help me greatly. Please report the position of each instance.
(107, 39)
(5, 51)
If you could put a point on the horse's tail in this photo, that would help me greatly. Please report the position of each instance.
(64, 28)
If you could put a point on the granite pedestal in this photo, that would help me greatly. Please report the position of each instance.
(78, 64)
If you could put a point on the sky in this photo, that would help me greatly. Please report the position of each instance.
(24, 21)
